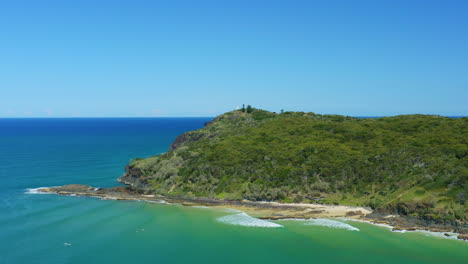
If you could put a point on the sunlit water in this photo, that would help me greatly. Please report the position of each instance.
(47, 228)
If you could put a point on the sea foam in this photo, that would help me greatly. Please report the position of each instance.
(331, 223)
(243, 219)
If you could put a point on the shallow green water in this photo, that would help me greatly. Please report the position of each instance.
(34, 228)
(122, 231)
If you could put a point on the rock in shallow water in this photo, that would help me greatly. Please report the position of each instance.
(69, 188)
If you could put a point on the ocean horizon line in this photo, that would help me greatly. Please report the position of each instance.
(155, 117)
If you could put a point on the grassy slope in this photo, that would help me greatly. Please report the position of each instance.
(414, 164)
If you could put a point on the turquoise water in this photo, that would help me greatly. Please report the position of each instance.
(47, 228)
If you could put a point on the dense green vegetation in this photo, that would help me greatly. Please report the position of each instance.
(413, 164)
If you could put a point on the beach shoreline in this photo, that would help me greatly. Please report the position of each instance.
(259, 209)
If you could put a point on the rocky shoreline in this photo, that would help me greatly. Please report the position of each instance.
(264, 210)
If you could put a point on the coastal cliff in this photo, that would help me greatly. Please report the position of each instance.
(415, 166)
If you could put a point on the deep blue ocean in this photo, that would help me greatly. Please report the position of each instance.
(55, 151)
(48, 228)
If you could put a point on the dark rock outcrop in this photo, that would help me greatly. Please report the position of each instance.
(185, 139)
(410, 223)
(134, 177)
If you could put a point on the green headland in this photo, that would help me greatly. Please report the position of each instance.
(411, 165)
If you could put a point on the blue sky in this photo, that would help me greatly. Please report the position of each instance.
(202, 58)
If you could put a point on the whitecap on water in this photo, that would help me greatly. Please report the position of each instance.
(244, 219)
(200, 206)
(331, 223)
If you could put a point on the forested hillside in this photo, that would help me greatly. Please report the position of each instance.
(413, 164)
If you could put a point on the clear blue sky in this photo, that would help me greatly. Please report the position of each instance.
(201, 58)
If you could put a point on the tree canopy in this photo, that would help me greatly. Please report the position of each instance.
(410, 164)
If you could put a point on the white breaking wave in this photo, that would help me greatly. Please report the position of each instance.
(427, 233)
(331, 223)
(230, 210)
(36, 190)
(367, 222)
(200, 206)
(243, 219)
(437, 234)
(156, 202)
(375, 224)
